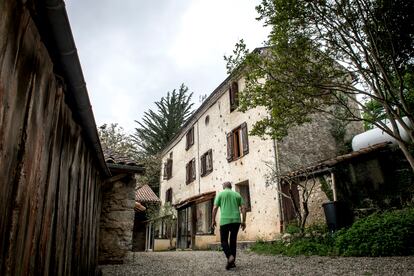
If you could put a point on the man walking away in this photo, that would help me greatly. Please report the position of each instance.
(230, 204)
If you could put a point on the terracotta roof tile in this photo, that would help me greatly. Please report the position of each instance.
(145, 194)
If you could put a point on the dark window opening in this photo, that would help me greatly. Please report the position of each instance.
(168, 196)
(243, 189)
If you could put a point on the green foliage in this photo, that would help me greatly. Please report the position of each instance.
(314, 245)
(388, 234)
(326, 188)
(114, 138)
(293, 228)
(321, 55)
(158, 127)
(383, 234)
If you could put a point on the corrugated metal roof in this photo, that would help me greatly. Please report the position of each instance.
(323, 165)
(195, 199)
(145, 194)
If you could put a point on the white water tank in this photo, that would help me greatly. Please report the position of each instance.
(376, 136)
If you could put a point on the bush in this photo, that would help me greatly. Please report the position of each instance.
(388, 234)
(321, 244)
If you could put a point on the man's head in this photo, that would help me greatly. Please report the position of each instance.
(227, 185)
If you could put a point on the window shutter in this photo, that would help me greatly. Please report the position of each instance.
(203, 165)
(169, 168)
(209, 161)
(193, 166)
(230, 150)
(235, 91)
(245, 139)
(231, 95)
(187, 173)
(165, 174)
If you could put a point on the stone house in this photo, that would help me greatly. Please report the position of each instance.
(214, 146)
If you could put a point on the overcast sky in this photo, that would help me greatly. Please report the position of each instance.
(133, 51)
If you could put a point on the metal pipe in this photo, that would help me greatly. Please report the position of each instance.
(54, 28)
(279, 188)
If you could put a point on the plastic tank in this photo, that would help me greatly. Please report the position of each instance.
(376, 136)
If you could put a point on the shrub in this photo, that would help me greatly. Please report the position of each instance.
(322, 245)
(388, 234)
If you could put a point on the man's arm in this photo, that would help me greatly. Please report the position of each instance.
(243, 213)
(213, 217)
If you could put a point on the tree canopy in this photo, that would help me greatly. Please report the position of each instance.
(158, 127)
(332, 57)
(114, 138)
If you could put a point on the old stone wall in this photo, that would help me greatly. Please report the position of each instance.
(117, 220)
(50, 195)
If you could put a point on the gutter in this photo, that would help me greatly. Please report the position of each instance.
(52, 21)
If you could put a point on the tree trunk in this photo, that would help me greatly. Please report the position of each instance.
(407, 153)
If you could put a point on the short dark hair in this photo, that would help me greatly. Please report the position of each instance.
(227, 184)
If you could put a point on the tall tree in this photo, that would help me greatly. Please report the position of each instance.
(158, 127)
(330, 55)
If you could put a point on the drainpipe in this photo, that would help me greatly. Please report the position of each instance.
(279, 188)
(54, 28)
(198, 159)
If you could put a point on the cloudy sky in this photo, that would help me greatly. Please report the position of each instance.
(133, 51)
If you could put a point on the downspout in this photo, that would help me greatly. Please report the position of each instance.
(54, 27)
(198, 159)
(279, 187)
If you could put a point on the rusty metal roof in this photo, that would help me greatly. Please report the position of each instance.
(195, 199)
(145, 194)
(326, 164)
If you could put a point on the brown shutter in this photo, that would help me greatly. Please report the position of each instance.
(187, 173)
(245, 138)
(169, 168)
(209, 161)
(165, 174)
(230, 150)
(235, 91)
(231, 95)
(202, 165)
(193, 166)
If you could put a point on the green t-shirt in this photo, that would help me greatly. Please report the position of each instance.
(229, 203)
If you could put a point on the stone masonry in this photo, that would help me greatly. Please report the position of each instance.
(117, 220)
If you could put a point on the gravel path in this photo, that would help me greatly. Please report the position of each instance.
(213, 262)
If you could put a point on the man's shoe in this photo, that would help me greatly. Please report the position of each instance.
(230, 262)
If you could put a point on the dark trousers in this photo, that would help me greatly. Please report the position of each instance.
(225, 230)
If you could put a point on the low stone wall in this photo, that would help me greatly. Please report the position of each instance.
(117, 221)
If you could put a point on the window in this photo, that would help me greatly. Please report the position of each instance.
(237, 143)
(243, 189)
(206, 163)
(168, 168)
(168, 195)
(234, 95)
(189, 138)
(190, 170)
(203, 217)
(207, 120)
